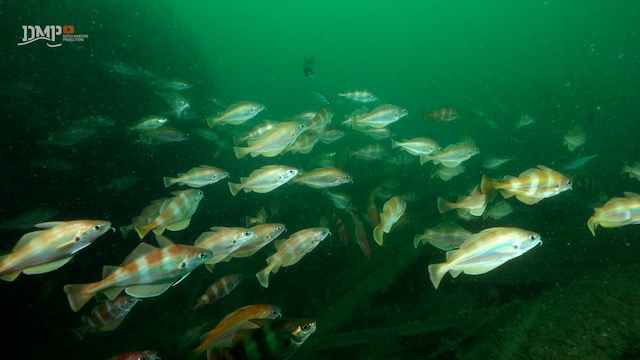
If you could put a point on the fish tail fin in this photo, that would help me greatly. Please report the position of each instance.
(592, 225)
(240, 152)
(77, 295)
(143, 230)
(416, 240)
(378, 233)
(394, 144)
(488, 184)
(211, 121)
(436, 273)
(125, 230)
(263, 276)
(444, 205)
(234, 188)
(168, 181)
(425, 159)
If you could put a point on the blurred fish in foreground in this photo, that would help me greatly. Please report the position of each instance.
(29, 219)
(616, 212)
(485, 251)
(50, 248)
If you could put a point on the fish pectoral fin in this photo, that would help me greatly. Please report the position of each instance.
(455, 273)
(112, 326)
(528, 200)
(144, 291)
(45, 268)
(481, 269)
(180, 225)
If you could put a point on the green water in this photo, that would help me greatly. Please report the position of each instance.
(564, 63)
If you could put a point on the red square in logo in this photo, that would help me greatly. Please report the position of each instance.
(68, 29)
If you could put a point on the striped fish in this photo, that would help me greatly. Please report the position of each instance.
(148, 271)
(107, 316)
(219, 289)
(361, 96)
(265, 234)
(392, 210)
(443, 114)
(379, 117)
(275, 339)
(616, 212)
(174, 214)
(52, 247)
(531, 186)
(236, 114)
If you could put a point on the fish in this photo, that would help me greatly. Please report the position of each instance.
(150, 122)
(107, 316)
(236, 114)
(575, 138)
(342, 230)
(369, 152)
(392, 211)
(323, 177)
(616, 212)
(137, 355)
(174, 214)
(446, 173)
(174, 85)
(359, 96)
(223, 333)
(260, 218)
(531, 186)
(51, 247)
(291, 250)
(320, 97)
(162, 135)
(29, 219)
(147, 272)
(219, 289)
(417, 146)
(452, 156)
(178, 103)
(197, 177)
(265, 179)
(379, 117)
(495, 162)
(146, 216)
(221, 241)
(444, 236)
(498, 211)
(577, 163)
(361, 234)
(307, 67)
(485, 251)
(264, 235)
(525, 120)
(442, 114)
(320, 121)
(275, 339)
(274, 142)
(339, 200)
(377, 133)
(332, 135)
(257, 132)
(474, 204)
(633, 170)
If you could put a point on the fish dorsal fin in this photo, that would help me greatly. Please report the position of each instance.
(163, 241)
(108, 270)
(26, 238)
(630, 194)
(544, 168)
(141, 250)
(529, 172)
(49, 224)
(144, 291)
(48, 267)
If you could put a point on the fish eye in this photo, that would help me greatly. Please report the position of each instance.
(97, 227)
(202, 255)
(569, 182)
(247, 233)
(306, 327)
(183, 264)
(532, 237)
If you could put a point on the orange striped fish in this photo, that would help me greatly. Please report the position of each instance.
(174, 213)
(219, 289)
(531, 186)
(107, 316)
(52, 247)
(148, 271)
(224, 332)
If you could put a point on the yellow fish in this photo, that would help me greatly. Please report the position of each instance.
(485, 251)
(474, 204)
(452, 156)
(323, 177)
(616, 212)
(51, 247)
(174, 213)
(273, 142)
(291, 250)
(198, 176)
(236, 114)
(531, 186)
(392, 211)
(264, 180)
(379, 117)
